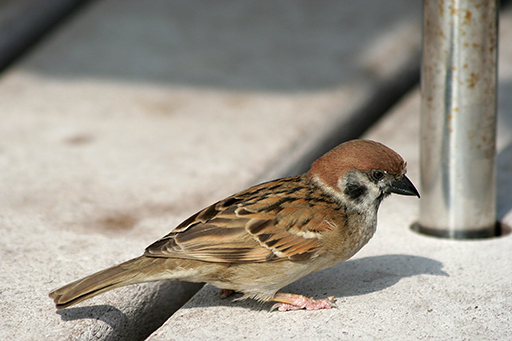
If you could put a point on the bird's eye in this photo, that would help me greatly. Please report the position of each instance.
(377, 175)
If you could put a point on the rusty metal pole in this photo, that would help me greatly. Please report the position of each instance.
(458, 122)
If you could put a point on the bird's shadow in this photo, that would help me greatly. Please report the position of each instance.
(352, 278)
(105, 313)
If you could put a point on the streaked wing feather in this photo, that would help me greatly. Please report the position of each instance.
(268, 222)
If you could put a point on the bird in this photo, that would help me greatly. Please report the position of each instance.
(261, 239)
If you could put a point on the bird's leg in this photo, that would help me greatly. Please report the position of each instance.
(225, 293)
(295, 302)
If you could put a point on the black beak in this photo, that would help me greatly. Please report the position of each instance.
(404, 186)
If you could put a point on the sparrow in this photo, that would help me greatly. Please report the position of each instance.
(261, 239)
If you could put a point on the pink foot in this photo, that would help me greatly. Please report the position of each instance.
(225, 293)
(295, 302)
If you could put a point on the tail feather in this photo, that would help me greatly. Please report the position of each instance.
(137, 270)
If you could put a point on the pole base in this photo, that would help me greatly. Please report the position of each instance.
(497, 230)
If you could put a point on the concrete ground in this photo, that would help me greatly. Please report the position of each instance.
(131, 117)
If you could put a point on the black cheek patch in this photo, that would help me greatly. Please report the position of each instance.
(355, 191)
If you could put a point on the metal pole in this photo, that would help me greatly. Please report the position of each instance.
(458, 119)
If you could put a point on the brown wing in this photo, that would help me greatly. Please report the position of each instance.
(269, 222)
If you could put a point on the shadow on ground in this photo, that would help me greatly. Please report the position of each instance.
(351, 278)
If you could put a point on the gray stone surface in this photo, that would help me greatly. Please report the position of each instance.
(133, 116)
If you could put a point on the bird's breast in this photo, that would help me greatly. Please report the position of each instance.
(353, 232)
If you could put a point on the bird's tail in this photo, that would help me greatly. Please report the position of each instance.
(137, 270)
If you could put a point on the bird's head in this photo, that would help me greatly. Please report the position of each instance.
(360, 173)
